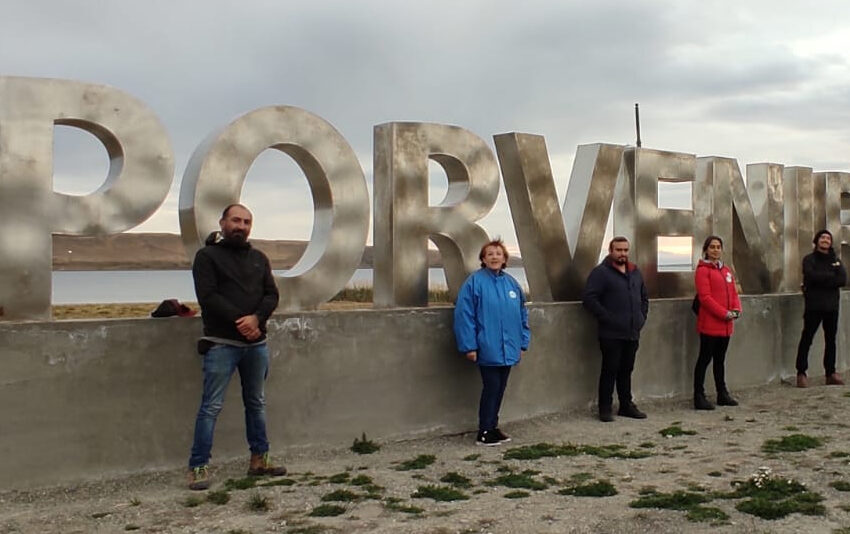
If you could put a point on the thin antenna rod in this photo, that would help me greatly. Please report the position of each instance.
(637, 123)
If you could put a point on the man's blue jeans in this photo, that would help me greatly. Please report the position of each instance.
(219, 364)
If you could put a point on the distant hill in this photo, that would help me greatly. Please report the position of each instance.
(154, 251)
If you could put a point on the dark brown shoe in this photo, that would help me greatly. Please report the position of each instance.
(630, 410)
(802, 381)
(701, 403)
(261, 465)
(834, 380)
(725, 399)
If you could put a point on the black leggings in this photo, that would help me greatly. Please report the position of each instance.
(711, 348)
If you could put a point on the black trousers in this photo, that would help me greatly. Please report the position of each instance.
(711, 348)
(618, 361)
(811, 321)
(494, 380)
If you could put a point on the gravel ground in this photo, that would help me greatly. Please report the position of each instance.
(726, 446)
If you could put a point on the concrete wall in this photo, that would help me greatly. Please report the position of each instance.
(81, 399)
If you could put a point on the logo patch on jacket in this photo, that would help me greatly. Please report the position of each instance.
(512, 294)
(729, 277)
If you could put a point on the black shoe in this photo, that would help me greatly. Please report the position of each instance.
(488, 438)
(605, 414)
(701, 403)
(630, 410)
(725, 399)
(504, 438)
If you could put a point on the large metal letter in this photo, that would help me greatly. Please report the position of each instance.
(216, 172)
(141, 169)
(403, 220)
(835, 201)
(767, 198)
(733, 219)
(638, 217)
(553, 270)
(799, 222)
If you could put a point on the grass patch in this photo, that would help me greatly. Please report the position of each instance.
(839, 454)
(240, 483)
(773, 497)
(518, 494)
(277, 482)
(99, 515)
(647, 445)
(360, 480)
(420, 462)
(135, 501)
(543, 450)
(131, 527)
(675, 430)
(599, 488)
(677, 500)
(791, 428)
(341, 495)
(522, 480)
(218, 497)
(339, 478)
(439, 493)
(457, 480)
(840, 485)
(471, 457)
(258, 503)
(705, 514)
(715, 474)
(396, 505)
(193, 501)
(792, 443)
(364, 446)
(327, 510)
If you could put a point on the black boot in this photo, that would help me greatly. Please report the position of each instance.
(605, 414)
(725, 399)
(701, 403)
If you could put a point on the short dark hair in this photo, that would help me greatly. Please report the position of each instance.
(819, 234)
(708, 241)
(617, 239)
(227, 209)
(494, 243)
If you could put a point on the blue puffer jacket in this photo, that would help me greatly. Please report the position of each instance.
(618, 300)
(491, 318)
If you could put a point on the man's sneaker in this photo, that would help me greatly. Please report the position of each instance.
(199, 478)
(630, 410)
(834, 380)
(802, 380)
(488, 438)
(605, 414)
(504, 438)
(261, 465)
(725, 399)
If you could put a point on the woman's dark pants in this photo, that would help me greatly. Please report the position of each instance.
(494, 380)
(711, 348)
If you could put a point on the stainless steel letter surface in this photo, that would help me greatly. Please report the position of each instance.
(558, 249)
(216, 172)
(141, 169)
(403, 220)
(638, 217)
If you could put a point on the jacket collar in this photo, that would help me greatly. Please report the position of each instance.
(610, 263)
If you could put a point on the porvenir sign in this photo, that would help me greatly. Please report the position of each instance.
(767, 222)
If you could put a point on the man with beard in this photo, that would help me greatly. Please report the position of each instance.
(823, 275)
(237, 294)
(616, 295)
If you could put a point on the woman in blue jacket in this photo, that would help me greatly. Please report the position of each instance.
(491, 329)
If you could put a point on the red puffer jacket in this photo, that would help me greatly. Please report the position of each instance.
(717, 295)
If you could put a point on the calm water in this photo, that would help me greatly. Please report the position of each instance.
(85, 287)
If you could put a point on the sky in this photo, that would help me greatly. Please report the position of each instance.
(756, 81)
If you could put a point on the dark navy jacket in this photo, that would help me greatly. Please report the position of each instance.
(823, 275)
(617, 300)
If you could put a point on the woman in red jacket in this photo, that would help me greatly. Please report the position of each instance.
(718, 309)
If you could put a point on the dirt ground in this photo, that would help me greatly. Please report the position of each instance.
(726, 446)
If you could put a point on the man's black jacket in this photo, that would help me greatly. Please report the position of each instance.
(823, 275)
(618, 300)
(233, 280)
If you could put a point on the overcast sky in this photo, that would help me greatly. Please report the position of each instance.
(756, 81)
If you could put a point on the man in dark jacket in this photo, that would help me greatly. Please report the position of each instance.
(823, 275)
(616, 295)
(237, 295)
